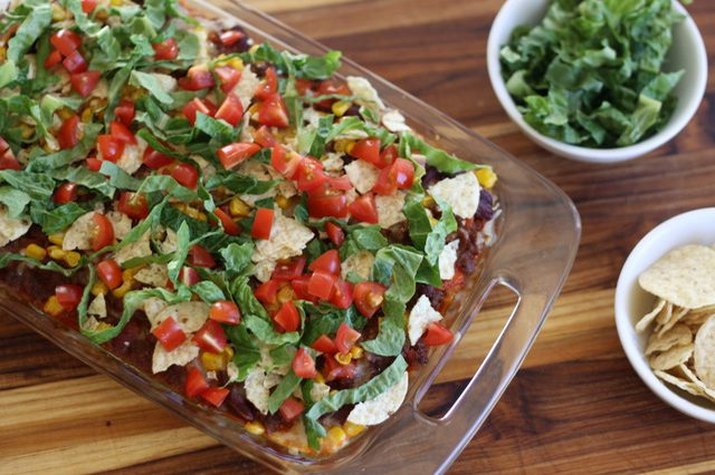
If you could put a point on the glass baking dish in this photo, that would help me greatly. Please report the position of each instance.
(538, 235)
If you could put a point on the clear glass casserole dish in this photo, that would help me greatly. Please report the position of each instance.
(538, 236)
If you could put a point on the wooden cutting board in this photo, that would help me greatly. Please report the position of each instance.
(576, 406)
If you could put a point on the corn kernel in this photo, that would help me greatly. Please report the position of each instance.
(99, 287)
(213, 361)
(72, 258)
(65, 113)
(255, 428)
(36, 252)
(253, 109)
(319, 378)
(341, 107)
(235, 63)
(352, 429)
(344, 145)
(117, 3)
(238, 208)
(343, 359)
(337, 436)
(282, 202)
(57, 238)
(486, 176)
(86, 115)
(356, 352)
(122, 290)
(53, 306)
(3, 53)
(428, 201)
(285, 294)
(56, 252)
(58, 13)
(128, 274)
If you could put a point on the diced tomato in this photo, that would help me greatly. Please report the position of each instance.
(185, 174)
(69, 295)
(328, 262)
(169, 334)
(331, 87)
(53, 59)
(325, 203)
(341, 183)
(384, 185)
(300, 287)
(4, 146)
(66, 41)
(156, 160)
(84, 83)
(268, 86)
(94, 164)
(289, 269)
(342, 295)
(88, 6)
(65, 193)
(262, 224)
(8, 161)
(402, 173)
(189, 276)
(437, 334)
(264, 137)
(225, 311)
(215, 396)
(233, 154)
(368, 150)
(110, 147)
(200, 257)
(303, 86)
(273, 112)
(325, 345)
(193, 107)
(285, 163)
(228, 77)
(310, 174)
(322, 284)
(125, 112)
(102, 234)
(230, 37)
(334, 370)
(231, 110)
(75, 63)
(364, 209)
(229, 225)
(303, 364)
(211, 337)
(388, 156)
(368, 297)
(197, 78)
(287, 318)
(68, 135)
(166, 50)
(122, 132)
(195, 382)
(335, 233)
(291, 408)
(346, 338)
(133, 205)
(110, 273)
(267, 292)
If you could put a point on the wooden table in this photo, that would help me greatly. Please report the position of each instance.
(576, 406)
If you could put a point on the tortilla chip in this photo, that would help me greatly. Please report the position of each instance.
(671, 358)
(684, 276)
(650, 316)
(679, 335)
(685, 385)
(706, 391)
(675, 318)
(704, 353)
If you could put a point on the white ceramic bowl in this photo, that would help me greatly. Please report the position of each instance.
(688, 53)
(632, 302)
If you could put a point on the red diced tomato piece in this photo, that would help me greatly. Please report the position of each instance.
(185, 174)
(200, 257)
(197, 78)
(225, 311)
(289, 269)
(233, 154)
(333, 370)
(84, 83)
(368, 150)
(335, 233)
(230, 37)
(189, 276)
(287, 318)
(384, 185)
(228, 77)
(437, 334)
(75, 63)
(122, 132)
(88, 6)
(388, 156)
(331, 87)
(303, 364)
(303, 86)
(94, 164)
(346, 338)
(110, 273)
(402, 173)
(69, 296)
(325, 345)
(291, 408)
(166, 50)
(7, 157)
(230, 226)
(264, 138)
(325, 203)
(68, 135)
(310, 174)
(300, 287)
(267, 292)
(133, 205)
(125, 112)
(211, 337)
(231, 110)
(215, 396)
(66, 41)
(65, 193)
(156, 160)
(102, 233)
(342, 295)
(328, 262)
(285, 163)
(364, 209)
(273, 112)
(368, 297)
(262, 224)
(193, 107)
(53, 59)
(341, 183)
(195, 382)
(322, 285)
(268, 86)
(110, 147)
(169, 334)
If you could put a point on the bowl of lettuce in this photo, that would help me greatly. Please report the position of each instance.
(598, 81)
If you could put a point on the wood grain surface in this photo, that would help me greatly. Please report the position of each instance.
(576, 406)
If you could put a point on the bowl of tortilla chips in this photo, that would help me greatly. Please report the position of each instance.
(665, 312)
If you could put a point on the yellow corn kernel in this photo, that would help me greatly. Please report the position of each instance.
(65, 113)
(319, 378)
(235, 63)
(26, 131)
(36, 252)
(99, 287)
(122, 290)
(344, 145)
(255, 428)
(86, 115)
(53, 306)
(213, 361)
(117, 3)
(486, 176)
(128, 274)
(58, 13)
(352, 429)
(238, 208)
(253, 109)
(356, 352)
(285, 294)
(57, 238)
(72, 258)
(341, 107)
(343, 359)
(3, 53)
(337, 436)
(56, 253)
(282, 202)
(428, 201)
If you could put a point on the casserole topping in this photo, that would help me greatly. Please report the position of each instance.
(264, 237)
